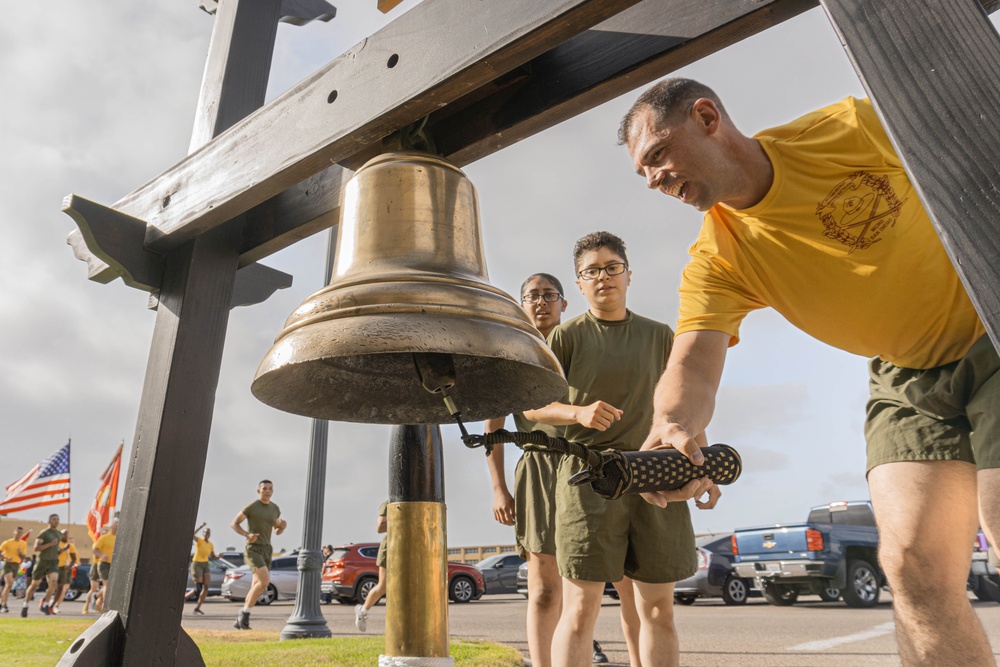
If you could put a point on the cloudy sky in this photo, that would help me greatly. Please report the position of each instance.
(100, 97)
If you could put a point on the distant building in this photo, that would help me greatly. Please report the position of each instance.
(470, 555)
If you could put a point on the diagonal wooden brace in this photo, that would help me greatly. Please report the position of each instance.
(111, 243)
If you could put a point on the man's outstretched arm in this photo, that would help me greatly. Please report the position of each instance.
(684, 402)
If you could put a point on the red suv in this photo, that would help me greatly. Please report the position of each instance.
(351, 572)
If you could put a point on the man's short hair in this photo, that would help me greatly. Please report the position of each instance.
(544, 276)
(19, 528)
(54, 515)
(595, 241)
(670, 100)
(265, 481)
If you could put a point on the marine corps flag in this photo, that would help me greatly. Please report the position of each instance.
(102, 511)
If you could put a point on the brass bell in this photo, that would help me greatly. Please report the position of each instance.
(409, 279)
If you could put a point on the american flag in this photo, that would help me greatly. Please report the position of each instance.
(45, 484)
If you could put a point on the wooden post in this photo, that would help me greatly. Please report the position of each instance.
(161, 497)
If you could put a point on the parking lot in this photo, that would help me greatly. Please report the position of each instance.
(810, 634)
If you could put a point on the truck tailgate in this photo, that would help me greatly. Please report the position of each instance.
(771, 543)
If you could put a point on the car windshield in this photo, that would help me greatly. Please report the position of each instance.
(489, 562)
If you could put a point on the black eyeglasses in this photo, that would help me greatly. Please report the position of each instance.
(613, 269)
(548, 297)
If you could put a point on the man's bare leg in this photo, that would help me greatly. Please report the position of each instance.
(544, 605)
(573, 642)
(261, 578)
(630, 620)
(927, 515)
(8, 583)
(204, 592)
(658, 645)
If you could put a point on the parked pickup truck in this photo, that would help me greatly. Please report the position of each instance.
(832, 555)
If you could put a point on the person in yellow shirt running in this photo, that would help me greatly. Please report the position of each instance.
(817, 219)
(67, 561)
(12, 551)
(203, 550)
(104, 549)
(93, 595)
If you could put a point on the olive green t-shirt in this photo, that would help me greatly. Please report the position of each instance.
(618, 362)
(260, 520)
(47, 535)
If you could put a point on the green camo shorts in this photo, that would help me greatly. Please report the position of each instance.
(535, 502)
(382, 551)
(947, 413)
(257, 555)
(10, 567)
(104, 569)
(199, 568)
(600, 540)
(65, 574)
(44, 567)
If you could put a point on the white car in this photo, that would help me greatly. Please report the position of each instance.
(284, 580)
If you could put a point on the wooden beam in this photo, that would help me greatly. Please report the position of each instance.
(390, 80)
(639, 45)
(932, 69)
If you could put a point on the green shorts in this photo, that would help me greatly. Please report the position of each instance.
(601, 540)
(199, 568)
(948, 413)
(382, 552)
(257, 555)
(65, 574)
(43, 568)
(535, 502)
(95, 572)
(10, 567)
(104, 569)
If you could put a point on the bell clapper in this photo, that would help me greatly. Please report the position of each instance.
(437, 375)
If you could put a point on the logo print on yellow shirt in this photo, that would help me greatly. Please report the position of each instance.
(858, 210)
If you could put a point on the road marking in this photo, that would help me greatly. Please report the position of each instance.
(823, 644)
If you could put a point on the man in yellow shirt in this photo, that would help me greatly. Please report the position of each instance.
(12, 551)
(203, 550)
(67, 561)
(104, 549)
(818, 220)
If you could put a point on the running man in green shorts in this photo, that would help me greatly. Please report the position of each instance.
(12, 552)
(378, 590)
(46, 564)
(533, 513)
(261, 516)
(612, 359)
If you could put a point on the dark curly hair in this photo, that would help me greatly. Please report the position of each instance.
(596, 240)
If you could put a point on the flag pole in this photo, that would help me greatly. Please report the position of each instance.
(69, 492)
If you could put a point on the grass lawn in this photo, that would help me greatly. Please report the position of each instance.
(40, 642)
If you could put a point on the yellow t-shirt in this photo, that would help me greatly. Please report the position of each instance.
(68, 556)
(106, 543)
(11, 550)
(840, 246)
(202, 550)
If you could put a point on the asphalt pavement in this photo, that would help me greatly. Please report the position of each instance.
(809, 634)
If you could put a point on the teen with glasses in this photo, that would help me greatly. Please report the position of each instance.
(612, 359)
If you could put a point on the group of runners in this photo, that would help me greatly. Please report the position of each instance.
(55, 561)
